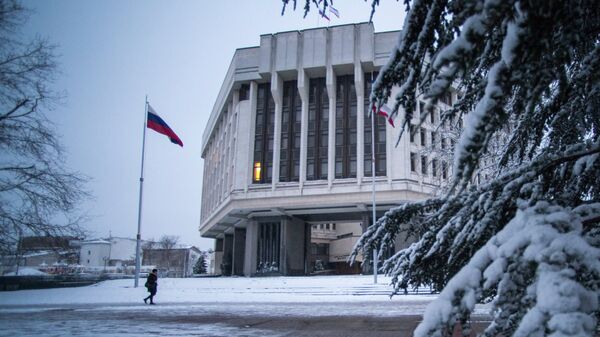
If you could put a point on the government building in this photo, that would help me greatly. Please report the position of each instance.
(287, 181)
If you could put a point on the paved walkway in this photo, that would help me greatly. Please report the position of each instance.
(205, 319)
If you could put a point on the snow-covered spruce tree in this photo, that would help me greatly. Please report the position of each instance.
(529, 237)
(200, 266)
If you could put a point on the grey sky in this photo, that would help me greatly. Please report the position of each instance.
(113, 53)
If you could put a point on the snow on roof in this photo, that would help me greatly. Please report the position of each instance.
(39, 253)
(95, 242)
(26, 271)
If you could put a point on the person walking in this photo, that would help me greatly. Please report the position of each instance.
(152, 285)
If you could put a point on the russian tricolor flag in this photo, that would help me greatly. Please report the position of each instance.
(159, 125)
(384, 111)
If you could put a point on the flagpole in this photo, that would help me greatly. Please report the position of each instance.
(375, 257)
(139, 227)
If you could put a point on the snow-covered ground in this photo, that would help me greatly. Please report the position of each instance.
(315, 289)
(220, 306)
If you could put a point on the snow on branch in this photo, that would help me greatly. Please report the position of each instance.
(562, 287)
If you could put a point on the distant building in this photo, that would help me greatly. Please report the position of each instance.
(95, 253)
(109, 252)
(39, 243)
(122, 251)
(45, 252)
(174, 262)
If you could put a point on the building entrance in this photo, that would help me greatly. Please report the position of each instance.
(330, 247)
(268, 250)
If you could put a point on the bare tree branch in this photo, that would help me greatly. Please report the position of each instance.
(38, 194)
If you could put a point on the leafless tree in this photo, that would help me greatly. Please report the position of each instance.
(167, 243)
(38, 194)
(147, 246)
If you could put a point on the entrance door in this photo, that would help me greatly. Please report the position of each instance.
(268, 257)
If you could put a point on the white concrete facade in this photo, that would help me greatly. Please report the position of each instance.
(230, 198)
(95, 253)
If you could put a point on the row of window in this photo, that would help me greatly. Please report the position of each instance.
(346, 103)
(435, 140)
(327, 226)
(220, 163)
(434, 167)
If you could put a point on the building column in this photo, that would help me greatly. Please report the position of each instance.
(227, 255)
(303, 90)
(218, 256)
(367, 264)
(251, 248)
(292, 246)
(359, 85)
(239, 245)
(331, 81)
(277, 92)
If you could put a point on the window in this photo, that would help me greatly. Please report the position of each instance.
(421, 107)
(434, 167)
(424, 165)
(411, 130)
(321, 226)
(333, 226)
(318, 130)
(88, 261)
(345, 127)
(257, 172)
(434, 139)
(423, 136)
(263, 136)
(443, 143)
(446, 98)
(89, 252)
(291, 118)
(327, 226)
(444, 170)
(413, 162)
(380, 135)
(244, 92)
(432, 116)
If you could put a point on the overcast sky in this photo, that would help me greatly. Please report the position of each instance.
(112, 53)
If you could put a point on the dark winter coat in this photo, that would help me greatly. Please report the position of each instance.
(151, 283)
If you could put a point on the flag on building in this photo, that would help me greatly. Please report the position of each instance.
(334, 11)
(159, 125)
(324, 15)
(386, 112)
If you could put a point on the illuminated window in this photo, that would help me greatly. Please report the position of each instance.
(264, 134)
(257, 173)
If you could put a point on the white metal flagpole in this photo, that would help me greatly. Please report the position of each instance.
(375, 257)
(138, 261)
